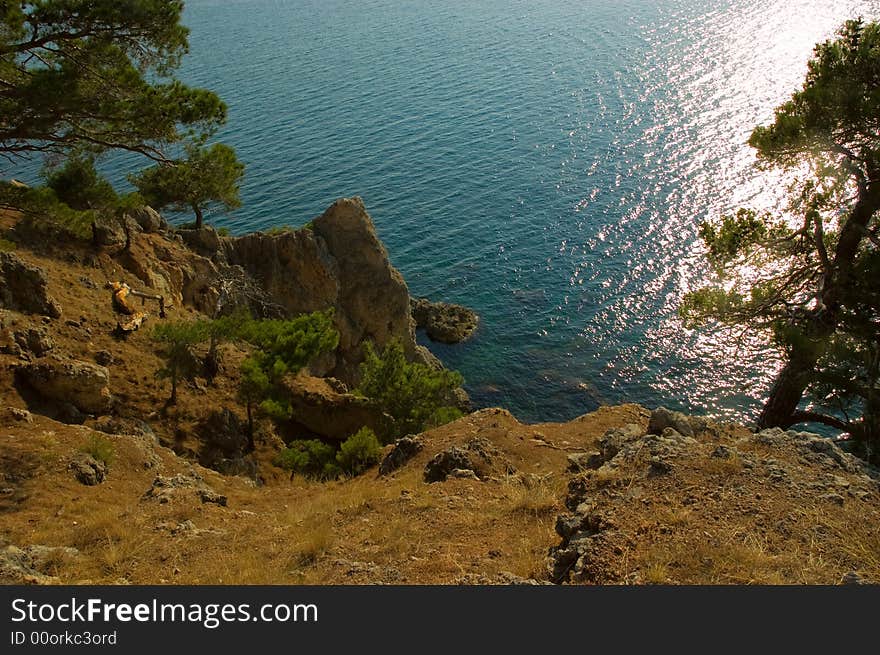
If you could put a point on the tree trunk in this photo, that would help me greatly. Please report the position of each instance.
(173, 399)
(250, 419)
(199, 218)
(792, 381)
(788, 389)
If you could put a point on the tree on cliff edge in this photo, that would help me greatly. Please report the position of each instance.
(814, 285)
(74, 76)
(205, 176)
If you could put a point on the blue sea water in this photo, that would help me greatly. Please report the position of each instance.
(545, 162)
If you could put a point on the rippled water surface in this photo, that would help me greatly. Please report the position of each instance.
(544, 162)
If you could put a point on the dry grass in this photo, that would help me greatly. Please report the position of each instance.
(538, 498)
(724, 466)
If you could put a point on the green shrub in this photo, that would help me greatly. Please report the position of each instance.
(415, 395)
(223, 231)
(311, 458)
(79, 186)
(6, 245)
(100, 448)
(359, 452)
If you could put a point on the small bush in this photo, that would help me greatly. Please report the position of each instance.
(79, 186)
(311, 458)
(359, 452)
(223, 231)
(6, 245)
(100, 448)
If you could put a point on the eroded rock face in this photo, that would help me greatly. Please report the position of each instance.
(23, 287)
(444, 322)
(82, 384)
(338, 264)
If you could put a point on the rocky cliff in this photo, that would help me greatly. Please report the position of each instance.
(336, 263)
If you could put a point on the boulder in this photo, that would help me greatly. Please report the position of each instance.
(444, 322)
(322, 410)
(82, 384)
(148, 219)
(443, 464)
(662, 418)
(404, 450)
(35, 341)
(88, 470)
(204, 240)
(224, 432)
(24, 287)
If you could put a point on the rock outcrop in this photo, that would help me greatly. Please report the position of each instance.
(23, 287)
(338, 263)
(82, 384)
(444, 322)
(330, 413)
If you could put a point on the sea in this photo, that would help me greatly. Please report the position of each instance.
(544, 162)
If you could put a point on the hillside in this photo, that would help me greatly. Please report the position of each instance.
(620, 496)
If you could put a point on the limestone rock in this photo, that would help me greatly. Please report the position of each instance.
(324, 411)
(88, 470)
(32, 564)
(148, 219)
(35, 341)
(203, 240)
(23, 287)
(443, 464)
(82, 384)
(404, 450)
(338, 264)
(444, 322)
(224, 432)
(662, 418)
(165, 489)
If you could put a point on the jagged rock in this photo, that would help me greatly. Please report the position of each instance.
(35, 341)
(164, 489)
(31, 565)
(108, 232)
(19, 415)
(404, 450)
(443, 464)
(662, 418)
(615, 439)
(130, 426)
(463, 474)
(211, 496)
(444, 322)
(341, 264)
(82, 384)
(324, 411)
(148, 219)
(88, 470)
(24, 287)
(103, 358)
